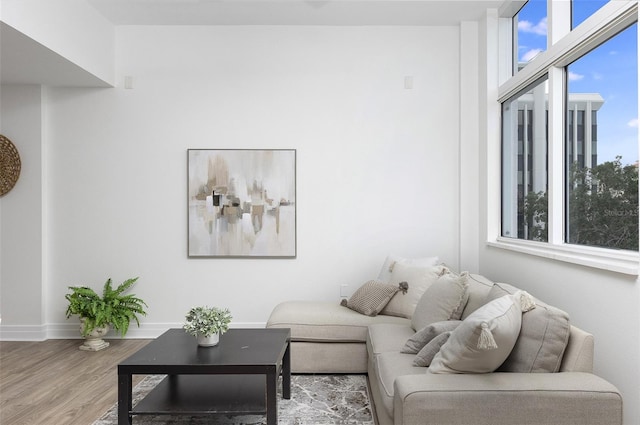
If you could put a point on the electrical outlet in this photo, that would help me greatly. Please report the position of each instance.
(343, 291)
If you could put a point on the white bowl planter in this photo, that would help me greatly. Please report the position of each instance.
(208, 341)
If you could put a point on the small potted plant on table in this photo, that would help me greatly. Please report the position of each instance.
(207, 324)
(97, 313)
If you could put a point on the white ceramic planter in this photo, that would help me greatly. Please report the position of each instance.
(208, 341)
(94, 341)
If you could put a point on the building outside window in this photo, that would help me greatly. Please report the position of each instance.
(524, 164)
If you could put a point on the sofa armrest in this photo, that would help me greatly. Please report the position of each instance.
(506, 398)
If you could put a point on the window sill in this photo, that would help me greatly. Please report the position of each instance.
(625, 262)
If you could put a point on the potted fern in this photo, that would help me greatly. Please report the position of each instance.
(97, 313)
(207, 324)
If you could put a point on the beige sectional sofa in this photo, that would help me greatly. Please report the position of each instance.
(330, 338)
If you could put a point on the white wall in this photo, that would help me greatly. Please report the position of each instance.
(468, 154)
(21, 218)
(377, 163)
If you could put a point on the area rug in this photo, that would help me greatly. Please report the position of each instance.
(315, 400)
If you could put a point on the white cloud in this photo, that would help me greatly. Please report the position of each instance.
(531, 54)
(633, 123)
(597, 76)
(539, 29)
(575, 77)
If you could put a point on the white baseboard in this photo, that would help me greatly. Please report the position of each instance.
(72, 331)
(23, 332)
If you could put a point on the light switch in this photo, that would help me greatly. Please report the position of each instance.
(408, 82)
(128, 82)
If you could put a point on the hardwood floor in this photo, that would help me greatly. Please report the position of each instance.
(55, 383)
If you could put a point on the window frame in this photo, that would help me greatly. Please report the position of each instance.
(564, 47)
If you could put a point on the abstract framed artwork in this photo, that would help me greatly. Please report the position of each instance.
(242, 203)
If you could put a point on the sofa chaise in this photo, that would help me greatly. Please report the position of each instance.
(547, 377)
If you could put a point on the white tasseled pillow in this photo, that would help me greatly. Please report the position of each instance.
(443, 300)
(485, 339)
(418, 279)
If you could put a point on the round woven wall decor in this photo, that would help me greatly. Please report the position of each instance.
(9, 165)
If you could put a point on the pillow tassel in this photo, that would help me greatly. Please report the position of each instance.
(486, 341)
(527, 302)
(403, 287)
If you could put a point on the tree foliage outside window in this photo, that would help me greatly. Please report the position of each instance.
(604, 206)
(536, 212)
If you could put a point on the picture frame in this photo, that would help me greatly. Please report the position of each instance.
(242, 203)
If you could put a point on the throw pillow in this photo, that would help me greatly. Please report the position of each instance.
(544, 336)
(483, 340)
(428, 333)
(392, 260)
(443, 300)
(428, 352)
(479, 287)
(371, 297)
(418, 278)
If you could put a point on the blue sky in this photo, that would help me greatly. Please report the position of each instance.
(610, 70)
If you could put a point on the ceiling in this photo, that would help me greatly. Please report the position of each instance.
(25, 61)
(292, 12)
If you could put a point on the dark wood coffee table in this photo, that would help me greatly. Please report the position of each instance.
(238, 376)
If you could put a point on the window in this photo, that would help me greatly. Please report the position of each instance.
(524, 164)
(582, 9)
(570, 135)
(530, 32)
(602, 178)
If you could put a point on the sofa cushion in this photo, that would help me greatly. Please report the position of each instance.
(443, 300)
(372, 297)
(483, 340)
(325, 321)
(388, 366)
(392, 260)
(479, 287)
(429, 351)
(418, 278)
(426, 334)
(544, 336)
(385, 337)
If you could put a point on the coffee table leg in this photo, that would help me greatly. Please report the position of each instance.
(286, 373)
(124, 399)
(272, 401)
